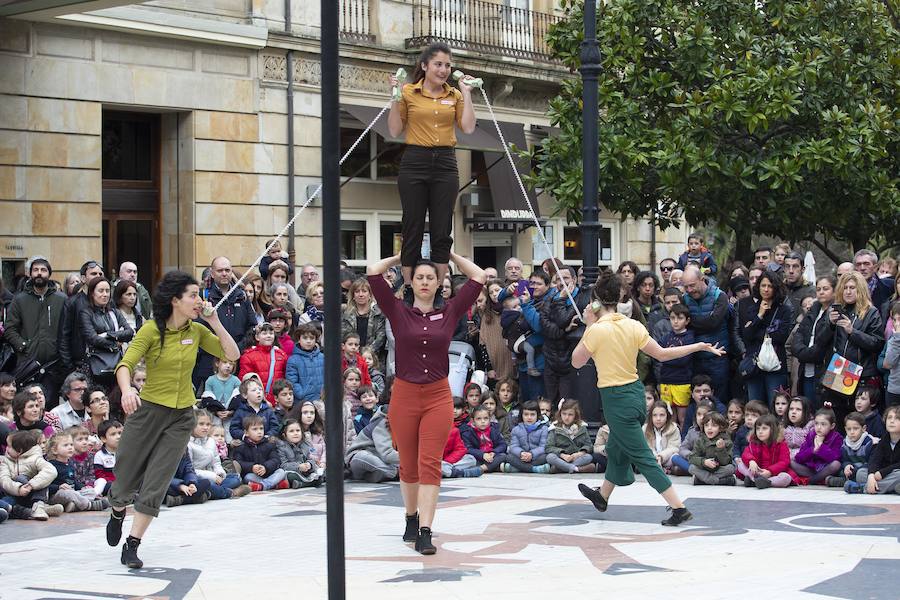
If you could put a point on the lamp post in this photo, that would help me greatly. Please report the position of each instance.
(590, 141)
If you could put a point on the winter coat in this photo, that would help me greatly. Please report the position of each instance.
(264, 453)
(828, 452)
(454, 449)
(32, 323)
(84, 468)
(775, 322)
(359, 363)
(709, 316)
(681, 370)
(875, 424)
(775, 458)
(376, 338)
(514, 326)
(860, 456)
(890, 361)
(257, 359)
(529, 441)
(884, 459)
(267, 261)
(205, 457)
(705, 259)
(65, 474)
(556, 314)
(884, 290)
(705, 448)
(362, 418)
(237, 317)
(294, 455)
(816, 328)
(265, 412)
(71, 343)
(671, 439)
(473, 444)
(306, 372)
(31, 464)
(184, 475)
(795, 436)
(864, 343)
(376, 438)
(94, 322)
(797, 293)
(563, 440)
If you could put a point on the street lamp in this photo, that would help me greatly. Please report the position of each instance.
(590, 141)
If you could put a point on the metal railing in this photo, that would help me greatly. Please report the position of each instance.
(482, 26)
(354, 20)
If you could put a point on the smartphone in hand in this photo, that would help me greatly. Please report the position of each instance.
(521, 287)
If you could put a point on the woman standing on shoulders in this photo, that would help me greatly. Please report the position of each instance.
(613, 341)
(421, 403)
(160, 421)
(427, 112)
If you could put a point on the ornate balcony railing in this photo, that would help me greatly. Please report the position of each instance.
(354, 21)
(482, 26)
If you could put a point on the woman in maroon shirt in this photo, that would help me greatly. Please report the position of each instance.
(421, 404)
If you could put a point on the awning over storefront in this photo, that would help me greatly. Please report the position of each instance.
(509, 205)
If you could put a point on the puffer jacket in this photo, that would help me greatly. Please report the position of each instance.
(533, 441)
(205, 457)
(264, 453)
(31, 464)
(671, 436)
(93, 322)
(32, 323)
(563, 440)
(556, 314)
(184, 475)
(258, 359)
(306, 372)
(775, 458)
(864, 343)
(294, 455)
(818, 329)
(376, 438)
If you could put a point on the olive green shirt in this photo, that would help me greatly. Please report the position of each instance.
(169, 371)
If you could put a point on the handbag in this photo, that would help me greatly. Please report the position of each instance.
(103, 362)
(842, 375)
(28, 370)
(747, 367)
(767, 360)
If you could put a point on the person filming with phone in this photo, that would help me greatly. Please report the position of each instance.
(562, 329)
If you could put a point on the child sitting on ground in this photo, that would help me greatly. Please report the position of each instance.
(110, 433)
(820, 455)
(220, 436)
(711, 461)
(186, 487)
(752, 411)
(866, 403)
(767, 460)
(65, 489)
(83, 459)
(735, 415)
(265, 359)
(882, 474)
(460, 412)
(662, 434)
(350, 357)
(252, 403)
(517, 332)
(472, 393)
(483, 441)
(701, 388)
(284, 399)
(207, 459)
(568, 447)
(798, 422)
(375, 374)
(26, 477)
(297, 456)
(780, 403)
(527, 453)
(352, 380)
(507, 413)
(313, 426)
(675, 375)
(371, 455)
(681, 461)
(367, 402)
(306, 366)
(456, 462)
(855, 451)
(546, 406)
(258, 457)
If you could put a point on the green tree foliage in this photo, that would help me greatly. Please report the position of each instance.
(779, 118)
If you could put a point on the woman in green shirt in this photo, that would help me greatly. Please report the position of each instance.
(613, 341)
(160, 421)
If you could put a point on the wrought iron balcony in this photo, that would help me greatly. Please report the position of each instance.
(355, 21)
(482, 26)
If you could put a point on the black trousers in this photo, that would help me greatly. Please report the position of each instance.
(429, 183)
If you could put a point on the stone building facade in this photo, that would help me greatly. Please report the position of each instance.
(158, 132)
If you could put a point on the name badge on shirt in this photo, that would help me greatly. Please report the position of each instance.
(436, 317)
(449, 102)
(187, 342)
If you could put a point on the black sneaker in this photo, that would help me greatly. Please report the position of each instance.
(749, 482)
(762, 483)
(114, 527)
(678, 516)
(129, 553)
(423, 542)
(412, 528)
(594, 495)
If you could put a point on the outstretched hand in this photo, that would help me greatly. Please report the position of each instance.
(711, 348)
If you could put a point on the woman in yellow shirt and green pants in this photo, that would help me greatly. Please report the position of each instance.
(160, 421)
(613, 341)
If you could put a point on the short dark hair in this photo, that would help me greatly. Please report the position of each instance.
(873, 392)
(531, 405)
(682, 310)
(306, 329)
(855, 416)
(349, 335)
(279, 385)
(755, 406)
(23, 441)
(698, 380)
(794, 255)
(672, 292)
(717, 418)
(828, 414)
(104, 427)
(365, 389)
(252, 420)
(542, 274)
(763, 249)
(459, 402)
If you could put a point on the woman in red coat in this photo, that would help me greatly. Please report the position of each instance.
(265, 359)
(767, 459)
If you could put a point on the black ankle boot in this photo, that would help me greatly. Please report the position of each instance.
(423, 542)
(412, 528)
(129, 553)
(114, 527)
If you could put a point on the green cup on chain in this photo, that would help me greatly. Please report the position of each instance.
(476, 83)
(396, 93)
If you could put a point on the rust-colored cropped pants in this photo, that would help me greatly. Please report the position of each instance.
(421, 416)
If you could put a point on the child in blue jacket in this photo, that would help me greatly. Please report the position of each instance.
(697, 253)
(306, 365)
(855, 451)
(253, 403)
(526, 450)
(483, 440)
(186, 487)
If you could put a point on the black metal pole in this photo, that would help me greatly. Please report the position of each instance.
(590, 142)
(331, 226)
(292, 196)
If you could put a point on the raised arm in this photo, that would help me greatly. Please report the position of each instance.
(661, 354)
(380, 267)
(468, 268)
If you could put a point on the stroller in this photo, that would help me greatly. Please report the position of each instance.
(462, 359)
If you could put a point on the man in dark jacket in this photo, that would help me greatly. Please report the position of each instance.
(72, 347)
(33, 323)
(797, 287)
(880, 290)
(710, 319)
(562, 330)
(236, 315)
